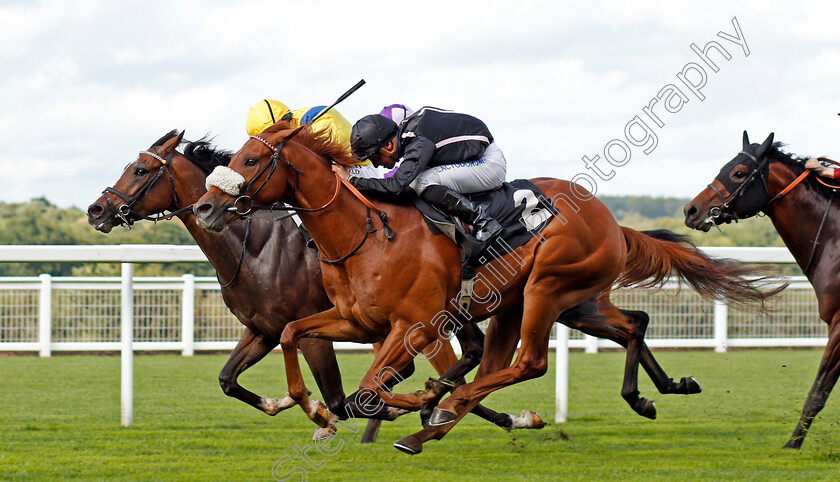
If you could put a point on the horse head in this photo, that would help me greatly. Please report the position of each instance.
(267, 169)
(138, 192)
(739, 191)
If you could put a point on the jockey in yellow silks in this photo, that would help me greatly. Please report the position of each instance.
(266, 112)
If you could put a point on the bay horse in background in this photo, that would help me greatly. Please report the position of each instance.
(268, 275)
(763, 178)
(396, 289)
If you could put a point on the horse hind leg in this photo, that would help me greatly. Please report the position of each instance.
(599, 317)
(827, 375)
(471, 340)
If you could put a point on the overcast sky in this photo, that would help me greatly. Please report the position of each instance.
(86, 85)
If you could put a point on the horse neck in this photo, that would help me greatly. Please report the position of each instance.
(797, 215)
(222, 249)
(338, 228)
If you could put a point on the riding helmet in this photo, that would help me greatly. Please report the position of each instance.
(370, 133)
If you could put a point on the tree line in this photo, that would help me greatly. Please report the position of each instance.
(40, 222)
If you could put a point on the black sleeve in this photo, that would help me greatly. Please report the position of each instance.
(415, 160)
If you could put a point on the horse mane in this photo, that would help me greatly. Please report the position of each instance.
(797, 165)
(205, 155)
(318, 142)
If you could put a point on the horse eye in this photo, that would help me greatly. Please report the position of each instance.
(140, 171)
(250, 162)
(740, 174)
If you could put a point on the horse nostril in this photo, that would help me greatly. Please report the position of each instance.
(95, 210)
(690, 211)
(203, 209)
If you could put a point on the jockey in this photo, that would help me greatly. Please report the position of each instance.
(397, 113)
(444, 154)
(266, 112)
(815, 165)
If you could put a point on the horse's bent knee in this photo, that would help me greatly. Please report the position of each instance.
(228, 384)
(532, 369)
(287, 339)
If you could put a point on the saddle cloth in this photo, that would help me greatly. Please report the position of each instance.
(519, 206)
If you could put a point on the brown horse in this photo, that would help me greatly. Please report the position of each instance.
(397, 289)
(260, 259)
(763, 178)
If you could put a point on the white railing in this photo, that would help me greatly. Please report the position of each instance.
(181, 313)
(186, 314)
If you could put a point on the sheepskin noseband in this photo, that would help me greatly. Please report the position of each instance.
(225, 179)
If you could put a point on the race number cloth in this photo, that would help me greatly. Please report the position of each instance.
(519, 206)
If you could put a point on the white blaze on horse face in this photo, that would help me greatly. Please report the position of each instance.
(225, 179)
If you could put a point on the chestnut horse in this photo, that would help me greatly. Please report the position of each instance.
(397, 288)
(763, 178)
(268, 275)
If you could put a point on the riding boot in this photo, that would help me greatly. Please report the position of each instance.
(485, 227)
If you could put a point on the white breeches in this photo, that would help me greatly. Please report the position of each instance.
(484, 174)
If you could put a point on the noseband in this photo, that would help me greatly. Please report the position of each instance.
(271, 166)
(126, 214)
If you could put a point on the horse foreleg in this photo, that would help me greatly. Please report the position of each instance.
(250, 349)
(328, 325)
(826, 378)
(472, 345)
(502, 335)
(471, 339)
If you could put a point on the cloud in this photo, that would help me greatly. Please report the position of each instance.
(86, 85)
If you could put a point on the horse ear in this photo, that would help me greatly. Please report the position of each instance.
(285, 134)
(765, 146)
(171, 144)
(746, 140)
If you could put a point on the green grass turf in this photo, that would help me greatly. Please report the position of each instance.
(60, 419)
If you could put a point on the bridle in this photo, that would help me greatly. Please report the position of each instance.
(126, 214)
(244, 200)
(724, 211)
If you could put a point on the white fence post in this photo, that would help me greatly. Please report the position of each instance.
(721, 325)
(188, 315)
(126, 343)
(561, 374)
(45, 315)
(591, 344)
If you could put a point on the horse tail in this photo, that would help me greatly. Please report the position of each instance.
(652, 256)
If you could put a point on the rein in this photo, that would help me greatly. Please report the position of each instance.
(126, 215)
(241, 257)
(724, 208)
(247, 199)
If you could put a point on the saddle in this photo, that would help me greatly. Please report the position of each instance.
(519, 206)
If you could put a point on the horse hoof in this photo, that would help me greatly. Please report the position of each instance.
(442, 417)
(409, 445)
(425, 415)
(323, 433)
(690, 385)
(646, 408)
(526, 419)
(537, 422)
